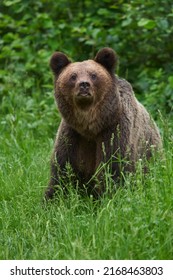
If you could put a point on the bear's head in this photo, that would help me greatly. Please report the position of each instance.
(85, 91)
(84, 83)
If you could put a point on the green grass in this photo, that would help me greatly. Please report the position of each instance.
(135, 223)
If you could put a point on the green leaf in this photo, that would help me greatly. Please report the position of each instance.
(170, 80)
(95, 33)
(10, 3)
(127, 22)
(103, 12)
(147, 23)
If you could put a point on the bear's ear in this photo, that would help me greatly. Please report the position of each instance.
(58, 61)
(108, 58)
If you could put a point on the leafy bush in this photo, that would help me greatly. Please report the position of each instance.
(140, 32)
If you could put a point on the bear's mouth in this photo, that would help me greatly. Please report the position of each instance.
(83, 93)
(84, 98)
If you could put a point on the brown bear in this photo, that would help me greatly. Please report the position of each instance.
(101, 120)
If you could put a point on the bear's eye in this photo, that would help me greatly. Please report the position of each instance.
(93, 76)
(73, 77)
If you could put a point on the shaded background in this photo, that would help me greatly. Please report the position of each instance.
(140, 31)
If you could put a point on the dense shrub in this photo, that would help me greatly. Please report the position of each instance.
(140, 31)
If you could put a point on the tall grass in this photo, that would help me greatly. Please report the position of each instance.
(136, 222)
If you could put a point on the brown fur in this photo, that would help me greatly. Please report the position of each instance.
(100, 118)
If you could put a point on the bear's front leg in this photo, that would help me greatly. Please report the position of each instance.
(64, 152)
(54, 180)
(108, 153)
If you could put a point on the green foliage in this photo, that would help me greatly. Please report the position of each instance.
(140, 31)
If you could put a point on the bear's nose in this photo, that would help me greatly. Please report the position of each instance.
(84, 85)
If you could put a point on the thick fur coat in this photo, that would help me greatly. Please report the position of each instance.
(101, 118)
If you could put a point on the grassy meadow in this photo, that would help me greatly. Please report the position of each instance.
(135, 223)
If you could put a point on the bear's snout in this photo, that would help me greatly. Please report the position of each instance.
(83, 94)
(84, 85)
(84, 89)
